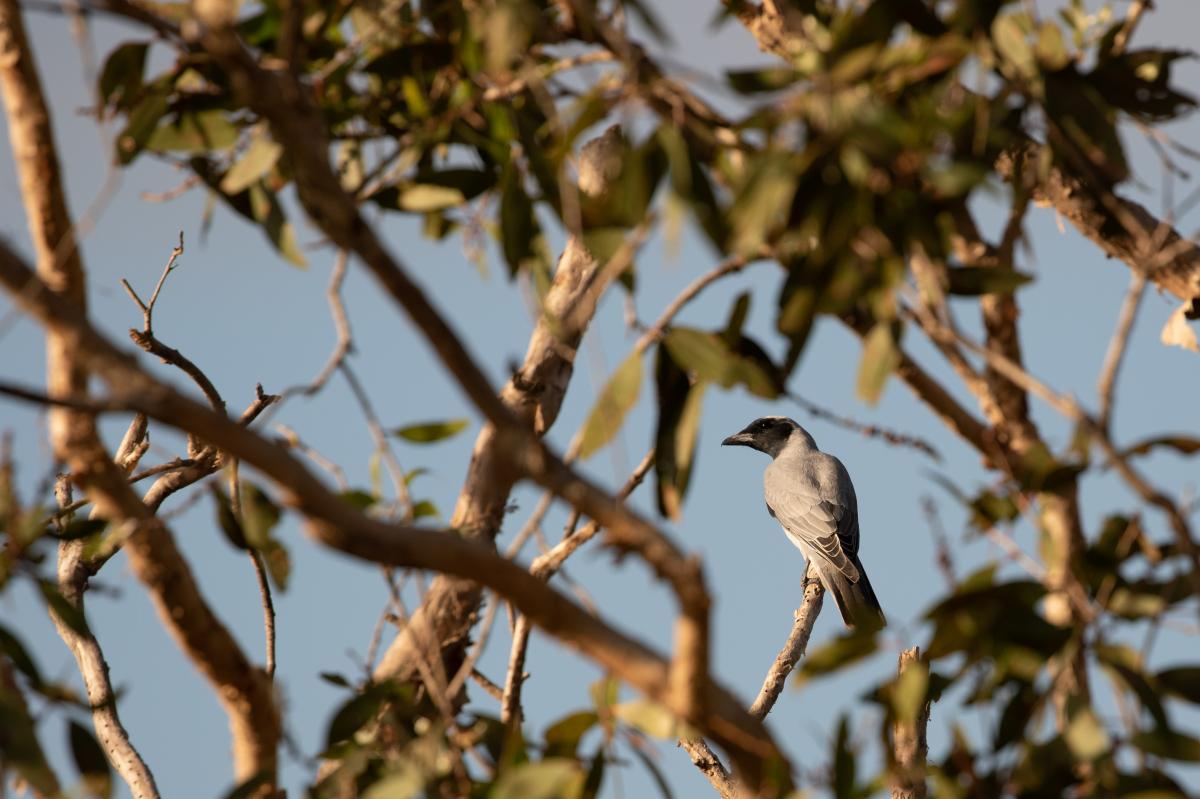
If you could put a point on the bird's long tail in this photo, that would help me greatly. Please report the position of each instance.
(856, 600)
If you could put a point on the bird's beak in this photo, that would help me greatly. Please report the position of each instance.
(743, 439)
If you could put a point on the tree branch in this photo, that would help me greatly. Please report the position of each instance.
(909, 743)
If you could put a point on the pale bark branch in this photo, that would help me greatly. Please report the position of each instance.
(909, 742)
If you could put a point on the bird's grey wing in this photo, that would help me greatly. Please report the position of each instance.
(814, 524)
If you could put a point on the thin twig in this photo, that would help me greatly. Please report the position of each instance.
(260, 571)
(382, 444)
(544, 567)
(1106, 385)
(868, 430)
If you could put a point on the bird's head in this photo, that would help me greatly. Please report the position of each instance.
(771, 434)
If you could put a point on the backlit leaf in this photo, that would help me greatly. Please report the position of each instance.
(880, 357)
(616, 399)
(430, 432)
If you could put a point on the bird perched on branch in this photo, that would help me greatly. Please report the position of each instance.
(810, 494)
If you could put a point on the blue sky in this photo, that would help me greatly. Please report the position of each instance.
(247, 317)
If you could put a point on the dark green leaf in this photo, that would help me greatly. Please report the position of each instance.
(975, 281)
(518, 226)
(121, 77)
(90, 760)
(660, 781)
(335, 679)
(424, 509)
(430, 432)
(842, 651)
(768, 79)
(354, 713)
(562, 737)
(16, 652)
(1183, 681)
(140, 123)
(616, 399)
(844, 767)
(1170, 744)
(80, 528)
(251, 787)
(67, 613)
(226, 520)
(358, 498)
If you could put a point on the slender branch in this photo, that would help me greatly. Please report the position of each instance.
(260, 571)
(544, 567)
(869, 430)
(1106, 385)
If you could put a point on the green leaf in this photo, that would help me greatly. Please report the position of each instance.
(679, 407)
(121, 77)
(251, 787)
(90, 760)
(604, 693)
(768, 79)
(842, 651)
(228, 523)
(424, 509)
(80, 528)
(260, 515)
(762, 203)
(1050, 49)
(194, 133)
(140, 123)
(354, 713)
(615, 401)
(335, 679)
(649, 717)
(67, 613)
(1169, 744)
(16, 652)
(405, 782)
(562, 737)
(975, 281)
(430, 432)
(710, 357)
(518, 227)
(604, 242)
(1182, 681)
(881, 356)
(1010, 39)
(660, 781)
(358, 498)
(259, 159)
(266, 210)
(547, 779)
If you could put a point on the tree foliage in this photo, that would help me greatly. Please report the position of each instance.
(854, 165)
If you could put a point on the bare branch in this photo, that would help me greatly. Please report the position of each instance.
(911, 749)
(544, 567)
(1106, 385)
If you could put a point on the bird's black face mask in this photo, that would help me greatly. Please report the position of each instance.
(767, 435)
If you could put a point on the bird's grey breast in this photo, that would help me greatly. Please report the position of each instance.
(811, 496)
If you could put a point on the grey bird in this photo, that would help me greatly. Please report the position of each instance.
(810, 494)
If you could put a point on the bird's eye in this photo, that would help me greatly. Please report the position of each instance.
(763, 425)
